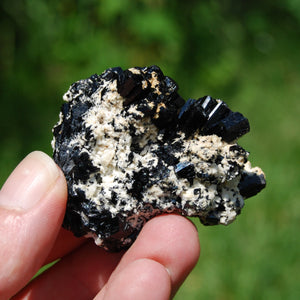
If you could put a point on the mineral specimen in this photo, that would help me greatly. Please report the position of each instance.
(131, 148)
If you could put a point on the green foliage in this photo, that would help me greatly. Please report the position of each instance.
(244, 52)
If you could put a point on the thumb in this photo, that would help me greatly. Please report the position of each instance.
(32, 206)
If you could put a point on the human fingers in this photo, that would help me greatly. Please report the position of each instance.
(32, 206)
(65, 243)
(163, 255)
(143, 278)
(173, 250)
(79, 275)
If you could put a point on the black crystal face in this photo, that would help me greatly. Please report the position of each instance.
(251, 184)
(211, 116)
(132, 148)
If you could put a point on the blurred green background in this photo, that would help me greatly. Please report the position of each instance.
(244, 52)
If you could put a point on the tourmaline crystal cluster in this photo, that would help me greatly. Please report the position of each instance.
(131, 148)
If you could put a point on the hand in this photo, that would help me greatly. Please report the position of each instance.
(32, 206)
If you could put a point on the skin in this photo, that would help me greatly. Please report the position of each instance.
(32, 206)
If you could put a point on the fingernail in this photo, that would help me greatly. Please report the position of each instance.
(29, 182)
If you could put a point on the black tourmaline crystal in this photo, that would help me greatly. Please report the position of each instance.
(131, 148)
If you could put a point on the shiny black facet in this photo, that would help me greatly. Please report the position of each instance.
(251, 184)
(232, 127)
